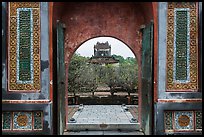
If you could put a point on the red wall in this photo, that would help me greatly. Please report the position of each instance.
(87, 20)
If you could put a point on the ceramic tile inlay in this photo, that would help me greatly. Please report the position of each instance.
(184, 120)
(38, 124)
(22, 120)
(24, 46)
(6, 120)
(182, 46)
(168, 116)
(198, 120)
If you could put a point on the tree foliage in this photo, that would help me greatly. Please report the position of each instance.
(81, 76)
(85, 77)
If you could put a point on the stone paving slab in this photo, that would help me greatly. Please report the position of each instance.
(102, 117)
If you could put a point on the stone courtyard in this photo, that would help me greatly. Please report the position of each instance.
(103, 119)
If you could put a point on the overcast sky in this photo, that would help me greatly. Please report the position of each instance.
(117, 47)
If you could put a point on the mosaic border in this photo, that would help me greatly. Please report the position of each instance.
(14, 84)
(174, 121)
(168, 124)
(10, 120)
(196, 121)
(191, 84)
(29, 122)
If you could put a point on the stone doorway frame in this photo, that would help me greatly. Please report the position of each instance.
(154, 6)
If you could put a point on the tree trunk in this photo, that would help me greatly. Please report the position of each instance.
(129, 99)
(128, 93)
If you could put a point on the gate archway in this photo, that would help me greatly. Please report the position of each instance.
(124, 21)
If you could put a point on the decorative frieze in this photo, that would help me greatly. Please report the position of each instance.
(182, 121)
(22, 120)
(198, 119)
(37, 116)
(24, 46)
(182, 46)
(6, 120)
(168, 121)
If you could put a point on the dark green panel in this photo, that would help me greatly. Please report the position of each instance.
(181, 45)
(168, 118)
(38, 120)
(24, 45)
(6, 120)
(198, 115)
(147, 50)
(60, 78)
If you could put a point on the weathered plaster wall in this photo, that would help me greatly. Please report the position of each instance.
(87, 20)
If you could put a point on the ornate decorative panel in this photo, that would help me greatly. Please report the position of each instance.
(6, 120)
(198, 119)
(22, 120)
(24, 46)
(182, 46)
(28, 120)
(38, 120)
(168, 116)
(183, 121)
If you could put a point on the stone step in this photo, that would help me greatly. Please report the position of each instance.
(114, 132)
(102, 117)
(102, 126)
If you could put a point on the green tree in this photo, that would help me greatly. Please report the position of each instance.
(128, 77)
(122, 77)
(118, 57)
(81, 75)
(111, 77)
(84, 77)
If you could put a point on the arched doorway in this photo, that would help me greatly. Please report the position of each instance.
(102, 80)
(126, 21)
(103, 71)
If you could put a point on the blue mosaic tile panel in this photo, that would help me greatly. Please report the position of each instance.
(198, 120)
(22, 121)
(184, 120)
(168, 121)
(38, 120)
(6, 120)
